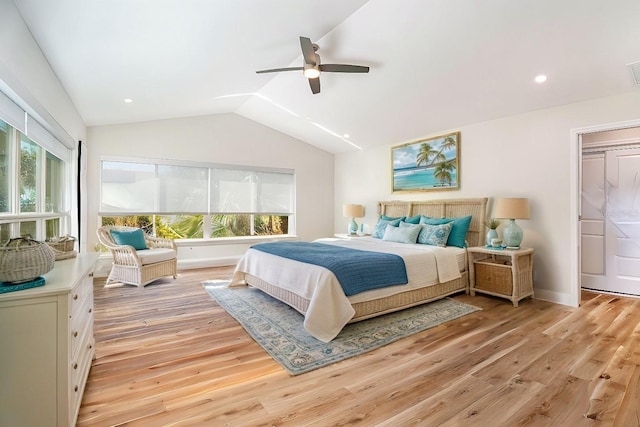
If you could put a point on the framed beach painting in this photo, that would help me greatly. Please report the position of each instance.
(427, 165)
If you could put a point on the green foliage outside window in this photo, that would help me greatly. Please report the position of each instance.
(192, 226)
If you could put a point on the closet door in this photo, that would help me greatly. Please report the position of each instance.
(610, 241)
(593, 221)
(622, 225)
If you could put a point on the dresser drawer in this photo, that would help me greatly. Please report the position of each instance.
(79, 326)
(79, 370)
(78, 294)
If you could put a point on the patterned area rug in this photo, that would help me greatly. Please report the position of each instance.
(278, 327)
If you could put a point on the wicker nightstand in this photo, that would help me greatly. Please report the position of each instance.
(506, 273)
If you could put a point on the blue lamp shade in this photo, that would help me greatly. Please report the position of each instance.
(353, 212)
(512, 209)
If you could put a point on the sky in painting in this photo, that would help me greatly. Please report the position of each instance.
(405, 157)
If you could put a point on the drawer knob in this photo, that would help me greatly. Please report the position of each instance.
(75, 366)
(75, 297)
(75, 334)
(90, 309)
(75, 388)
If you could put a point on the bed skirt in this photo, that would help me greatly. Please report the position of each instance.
(367, 309)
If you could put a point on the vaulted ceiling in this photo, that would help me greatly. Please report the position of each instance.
(435, 64)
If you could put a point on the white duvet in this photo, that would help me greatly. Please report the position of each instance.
(329, 308)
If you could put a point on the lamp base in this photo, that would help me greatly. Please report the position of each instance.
(353, 227)
(512, 234)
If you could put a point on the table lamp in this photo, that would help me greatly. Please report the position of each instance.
(353, 212)
(512, 209)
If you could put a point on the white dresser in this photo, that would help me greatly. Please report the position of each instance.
(46, 346)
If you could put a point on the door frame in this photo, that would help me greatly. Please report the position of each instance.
(575, 182)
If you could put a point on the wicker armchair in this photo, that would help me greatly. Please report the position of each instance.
(139, 267)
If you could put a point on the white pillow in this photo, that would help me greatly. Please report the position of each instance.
(406, 233)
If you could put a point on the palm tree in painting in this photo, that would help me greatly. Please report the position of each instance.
(443, 171)
(435, 157)
(428, 155)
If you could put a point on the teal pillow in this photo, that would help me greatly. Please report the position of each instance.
(392, 218)
(405, 233)
(458, 231)
(133, 238)
(378, 231)
(413, 219)
(435, 235)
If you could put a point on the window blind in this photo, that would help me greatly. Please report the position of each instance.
(17, 117)
(38, 134)
(11, 113)
(148, 187)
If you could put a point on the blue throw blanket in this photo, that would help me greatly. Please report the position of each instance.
(356, 270)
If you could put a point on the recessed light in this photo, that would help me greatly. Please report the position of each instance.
(540, 78)
(128, 100)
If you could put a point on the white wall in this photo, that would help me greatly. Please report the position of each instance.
(227, 139)
(27, 78)
(24, 70)
(527, 155)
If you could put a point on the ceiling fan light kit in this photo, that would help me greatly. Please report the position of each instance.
(311, 72)
(311, 67)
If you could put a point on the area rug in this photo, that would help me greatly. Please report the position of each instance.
(278, 327)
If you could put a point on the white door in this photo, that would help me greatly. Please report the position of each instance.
(611, 221)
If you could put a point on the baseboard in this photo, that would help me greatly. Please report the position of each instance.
(103, 265)
(552, 296)
(192, 264)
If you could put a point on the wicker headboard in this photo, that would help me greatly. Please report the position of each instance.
(448, 208)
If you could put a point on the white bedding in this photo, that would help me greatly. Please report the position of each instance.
(329, 308)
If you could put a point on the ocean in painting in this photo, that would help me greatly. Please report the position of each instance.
(419, 178)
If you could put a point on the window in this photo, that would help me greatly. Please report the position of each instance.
(5, 163)
(28, 168)
(32, 188)
(193, 200)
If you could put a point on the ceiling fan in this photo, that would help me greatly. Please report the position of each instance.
(311, 66)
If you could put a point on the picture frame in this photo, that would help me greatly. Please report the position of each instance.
(430, 164)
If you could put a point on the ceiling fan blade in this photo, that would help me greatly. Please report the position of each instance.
(308, 52)
(315, 85)
(344, 68)
(275, 70)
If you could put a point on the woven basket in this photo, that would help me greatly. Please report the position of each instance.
(62, 244)
(494, 277)
(23, 259)
(62, 247)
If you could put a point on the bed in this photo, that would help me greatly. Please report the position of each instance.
(315, 292)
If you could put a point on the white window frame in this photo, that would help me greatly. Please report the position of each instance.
(13, 218)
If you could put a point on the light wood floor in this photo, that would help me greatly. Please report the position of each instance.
(169, 355)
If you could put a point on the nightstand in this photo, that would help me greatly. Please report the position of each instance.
(506, 273)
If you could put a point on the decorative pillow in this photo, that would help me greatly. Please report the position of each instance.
(378, 231)
(458, 231)
(435, 235)
(413, 219)
(406, 233)
(133, 238)
(391, 218)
